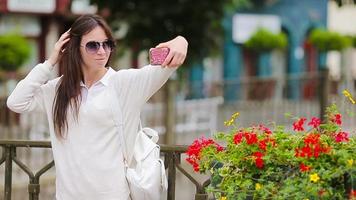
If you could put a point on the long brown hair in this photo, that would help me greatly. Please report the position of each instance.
(68, 92)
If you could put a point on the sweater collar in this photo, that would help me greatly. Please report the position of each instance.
(105, 79)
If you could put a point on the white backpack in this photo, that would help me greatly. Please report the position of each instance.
(147, 179)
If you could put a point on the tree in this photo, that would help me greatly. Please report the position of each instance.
(344, 2)
(151, 22)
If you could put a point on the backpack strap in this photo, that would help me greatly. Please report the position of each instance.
(116, 113)
(118, 121)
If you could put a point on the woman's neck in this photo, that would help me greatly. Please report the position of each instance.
(91, 76)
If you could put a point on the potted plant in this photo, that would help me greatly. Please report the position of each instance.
(263, 41)
(260, 45)
(325, 41)
(314, 161)
(15, 50)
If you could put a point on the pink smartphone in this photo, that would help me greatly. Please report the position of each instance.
(158, 55)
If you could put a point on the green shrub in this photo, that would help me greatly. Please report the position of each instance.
(15, 50)
(325, 40)
(354, 41)
(264, 40)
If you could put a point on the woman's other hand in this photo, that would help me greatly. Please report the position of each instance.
(58, 48)
(178, 51)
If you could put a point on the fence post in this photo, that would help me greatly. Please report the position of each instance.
(9, 152)
(170, 160)
(324, 87)
(170, 110)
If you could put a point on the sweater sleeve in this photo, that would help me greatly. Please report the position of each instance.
(138, 85)
(28, 94)
(135, 87)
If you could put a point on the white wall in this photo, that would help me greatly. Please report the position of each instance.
(340, 19)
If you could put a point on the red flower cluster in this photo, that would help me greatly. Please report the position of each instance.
(341, 137)
(312, 139)
(262, 144)
(304, 168)
(298, 125)
(194, 151)
(258, 159)
(238, 137)
(251, 138)
(321, 192)
(315, 122)
(265, 129)
(352, 194)
(337, 119)
(312, 147)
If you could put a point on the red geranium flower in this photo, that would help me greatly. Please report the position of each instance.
(341, 137)
(259, 163)
(312, 139)
(238, 137)
(304, 168)
(321, 192)
(251, 138)
(194, 151)
(352, 194)
(262, 144)
(337, 119)
(265, 129)
(305, 151)
(315, 122)
(258, 159)
(194, 163)
(258, 154)
(298, 125)
(312, 147)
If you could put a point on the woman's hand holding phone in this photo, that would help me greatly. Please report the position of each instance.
(178, 48)
(158, 55)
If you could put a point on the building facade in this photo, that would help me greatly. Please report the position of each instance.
(289, 73)
(296, 19)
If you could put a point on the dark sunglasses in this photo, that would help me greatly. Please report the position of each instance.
(93, 47)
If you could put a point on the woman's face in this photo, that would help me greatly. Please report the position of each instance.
(94, 49)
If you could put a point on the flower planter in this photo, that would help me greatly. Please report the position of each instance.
(314, 161)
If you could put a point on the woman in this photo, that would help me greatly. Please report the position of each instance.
(85, 143)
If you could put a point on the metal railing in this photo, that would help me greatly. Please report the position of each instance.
(171, 153)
